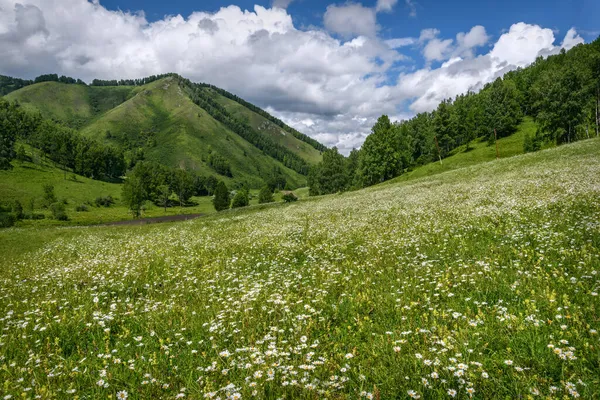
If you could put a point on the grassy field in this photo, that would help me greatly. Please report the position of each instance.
(26, 180)
(76, 105)
(476, 283)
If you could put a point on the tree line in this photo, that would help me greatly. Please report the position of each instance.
(266, 115)
(62, 145)
(561, 93)
(9, 84)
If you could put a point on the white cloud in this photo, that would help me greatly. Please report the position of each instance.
(412, 7)
(571, 39)
(518, 47)
(351, 20)
(385, 5)
(437, 49)
(331, 89)
(400, 42)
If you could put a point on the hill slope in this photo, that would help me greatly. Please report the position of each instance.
(261, 124)
(490, 270)
(162, 119)
(75, 105)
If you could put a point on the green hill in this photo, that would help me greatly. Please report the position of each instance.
(481, 280)
(174, 131)
(261, 124)
(75, 105)
(160, 118)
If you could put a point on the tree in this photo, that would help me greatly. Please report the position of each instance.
(49, 196)
(8, 134)
(221, 200)
(265, 195)
(183, 183)
(21, 155)
(379, 159)
(331, 175)
(241, 199)
(134, 194)
(163, 196)
(58, 211)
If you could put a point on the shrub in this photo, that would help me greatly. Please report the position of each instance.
(7, 220)
(58, 211)
(49, 196)
(34, 216)
(104, 201)
(82, 207)
(17, 210)
(289, 197)
(265, 195)
(240, 199)
(221, 200)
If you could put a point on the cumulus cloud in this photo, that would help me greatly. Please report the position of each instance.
(518, 47)
(350, 20)
(571, 39)
(385, 5)
(330, 89)
(436, 49)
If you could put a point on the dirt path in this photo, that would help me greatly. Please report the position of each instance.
(144, 221)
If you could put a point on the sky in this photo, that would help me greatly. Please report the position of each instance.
(327, 68)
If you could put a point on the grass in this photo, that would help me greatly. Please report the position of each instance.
(480, 152)
(76, 105)
(26, 180)
(481, 281)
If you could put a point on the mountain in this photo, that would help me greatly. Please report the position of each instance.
(177, 123)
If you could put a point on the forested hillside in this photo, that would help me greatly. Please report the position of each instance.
(561, 93)
(154, 119)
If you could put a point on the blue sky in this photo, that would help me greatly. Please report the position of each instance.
(327, 68)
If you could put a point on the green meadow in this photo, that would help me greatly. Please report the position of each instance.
(479, 282)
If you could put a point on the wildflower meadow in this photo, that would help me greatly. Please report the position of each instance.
(476, 283)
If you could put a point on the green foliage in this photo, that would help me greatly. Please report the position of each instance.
(58, 211)
(265, 195)
(134, 193)
(183, 185)
(331, 175)
(289, 197)
(17, 210)
(49, 195)
(241, 199)
(380, 159)
(82, 208)
(104, 201)
(7, 219)
(21, 155)
(164, 193)
(220, 164)
(221, 199)
(532, 143)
